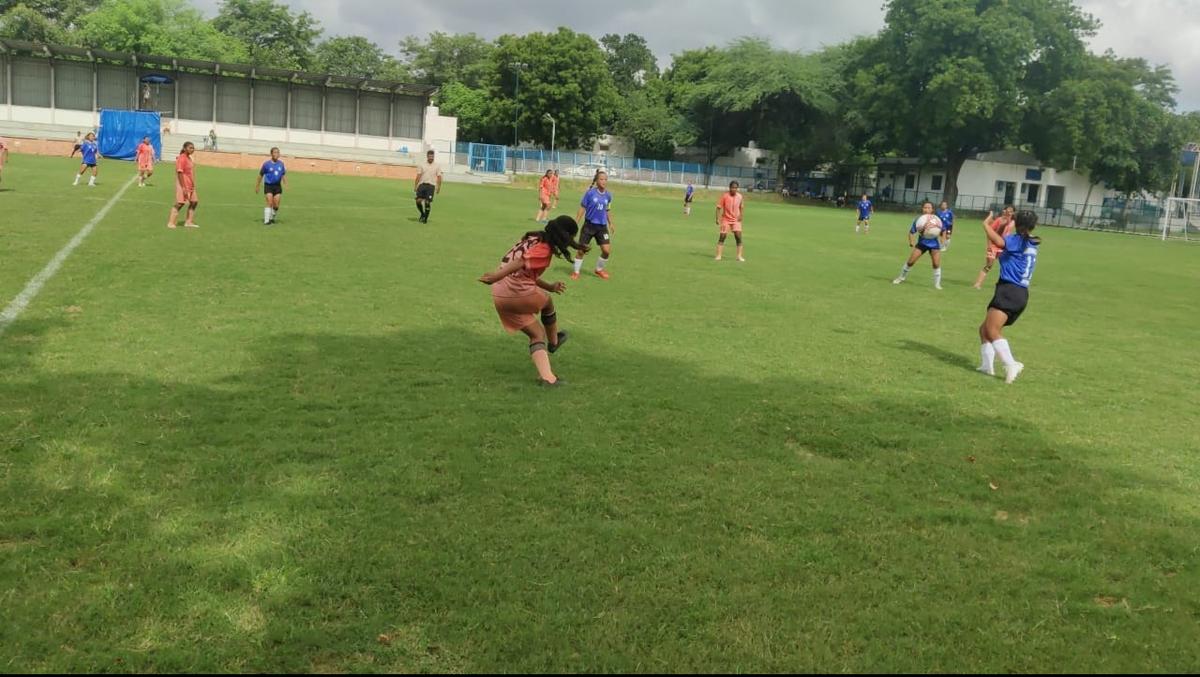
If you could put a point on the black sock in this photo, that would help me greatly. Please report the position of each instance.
(428, 208)
(420, 209)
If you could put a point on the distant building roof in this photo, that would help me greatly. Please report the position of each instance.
(170, 63)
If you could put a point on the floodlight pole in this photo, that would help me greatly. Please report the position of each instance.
(517, 66)
(553, 130)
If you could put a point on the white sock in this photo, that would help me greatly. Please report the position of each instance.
(578, 265)
(600, 263)
(904, 271)
(76, 180)
(92, 181)
(937, 277)
(266, 214)
(987, 357)
(1005, 353)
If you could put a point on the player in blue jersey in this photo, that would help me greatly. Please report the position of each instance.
(688, 195)
(865, 209)
(1018, 258)
(597, 225)
(947, 216)
(927, 231)
(89, 150)
(272, 177)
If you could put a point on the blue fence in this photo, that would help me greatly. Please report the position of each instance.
(484, 157)
(584, 165)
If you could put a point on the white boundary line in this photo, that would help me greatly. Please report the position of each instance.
(18, 305)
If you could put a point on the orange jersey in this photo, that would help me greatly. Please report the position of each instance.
(731, 208)
(546, 186)
(536, 256)
(554, 184)
(145, 153)
(1003, 227)
(186, 169)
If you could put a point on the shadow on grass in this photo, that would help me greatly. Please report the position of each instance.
(411, 502)
(940, 354)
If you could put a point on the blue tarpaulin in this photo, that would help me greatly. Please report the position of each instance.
(122, 130)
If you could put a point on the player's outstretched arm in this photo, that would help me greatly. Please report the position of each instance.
(502, 272)
(552, 287)
(992, 235)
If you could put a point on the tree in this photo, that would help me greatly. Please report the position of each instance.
(646, 118)
(950, 78)
(629, 60)
(478, 117)
(357, 57)
(1112, 120)
(166, 27)
(273, 36)
(564, 74)
(25, 23)
(64, 14)
(443, 58)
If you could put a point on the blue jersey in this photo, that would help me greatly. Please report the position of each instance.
(690, 190)
(1018, 260)
(864, 209)
(596, 206)
(90, 151)
(928, 242)
(947, 218)
(272, 172)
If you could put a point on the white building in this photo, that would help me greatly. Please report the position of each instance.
(990, 180)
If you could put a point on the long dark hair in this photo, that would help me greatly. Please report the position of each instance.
(560, 235)
(1026, 221)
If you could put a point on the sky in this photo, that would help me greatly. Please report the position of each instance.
(1161, 31)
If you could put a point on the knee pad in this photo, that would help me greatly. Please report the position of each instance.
(549, 318)
(737, 236)
(721, 239)
(536, 346)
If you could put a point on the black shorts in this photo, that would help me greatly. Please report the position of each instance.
(688, 200)
(593, 231)
(1011, 300)
(273, 188)
(926, 248)
(425, 191)
(91, 166)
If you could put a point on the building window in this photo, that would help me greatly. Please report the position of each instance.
(1056, 197)
(936, 184)
(1031, 192)
(1033, 175)
(910, 182)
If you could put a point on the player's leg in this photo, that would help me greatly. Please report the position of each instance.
(987, 268)
(741, 251)
(174, 214)
(554, 337)
(82, 169)
(190, 220)
(912, 260)
(585, 239)
(539, 351)
(935, 255)
(605, 254)
(994, 325)
(987, 351)
(95, 172)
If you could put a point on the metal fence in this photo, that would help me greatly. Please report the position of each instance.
(1139, 217)
(584, 165)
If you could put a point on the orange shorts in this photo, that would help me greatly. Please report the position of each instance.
(545, 198)
(182, 197)
(518, 312)
(735, 227)
(146, 166)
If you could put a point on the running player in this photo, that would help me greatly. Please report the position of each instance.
(90, 153)
(947, 216)
(185, 187)
(545, 190)
(1018, 258)
(273, 177)
(687, 199)
(595, 205)
(1003, 227)
(78, 144)
(865, 209)
(923, 244)
(428, 181)
(729, 217)
(145, 161)
(520, 294)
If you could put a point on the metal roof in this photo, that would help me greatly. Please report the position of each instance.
(151, 62)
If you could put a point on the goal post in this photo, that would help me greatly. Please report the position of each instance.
(1181, 218)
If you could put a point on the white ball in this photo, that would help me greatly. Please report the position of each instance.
(929, 226)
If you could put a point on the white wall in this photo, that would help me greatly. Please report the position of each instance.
(979, 180)
(441, 133)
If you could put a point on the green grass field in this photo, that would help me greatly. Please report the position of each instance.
(313, 448)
